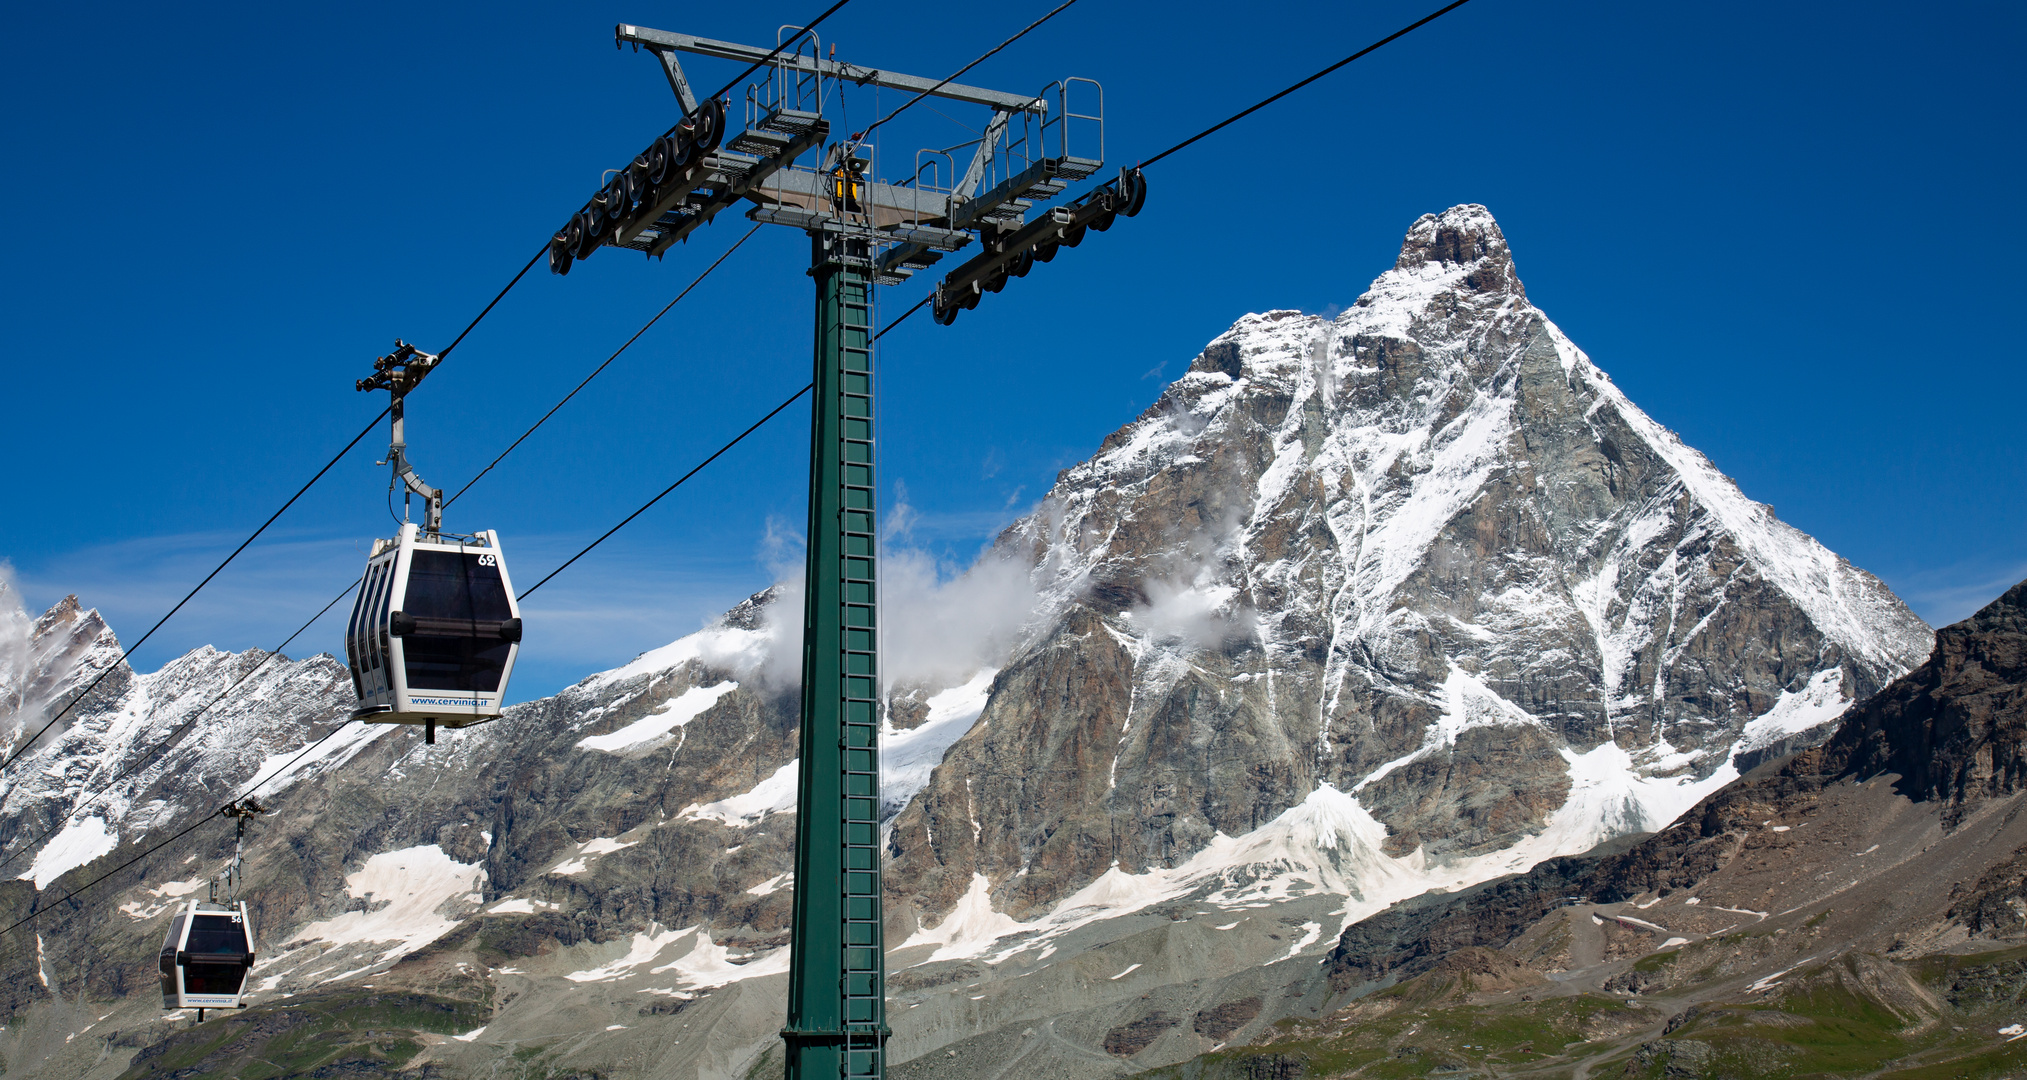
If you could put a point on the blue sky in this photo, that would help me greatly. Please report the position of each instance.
(1790, 233)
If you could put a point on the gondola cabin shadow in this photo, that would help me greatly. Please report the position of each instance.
(206, 957)
(434, 631)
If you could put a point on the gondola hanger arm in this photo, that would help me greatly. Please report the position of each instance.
(398, 373)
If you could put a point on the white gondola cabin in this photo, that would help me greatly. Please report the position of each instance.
(206, 956)
(434, 630)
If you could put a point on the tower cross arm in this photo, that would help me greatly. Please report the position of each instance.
(894, 80)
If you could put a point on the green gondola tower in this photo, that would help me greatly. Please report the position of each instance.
(837, 1018)
(865, 231)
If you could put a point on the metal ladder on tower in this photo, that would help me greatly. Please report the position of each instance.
(862, 969)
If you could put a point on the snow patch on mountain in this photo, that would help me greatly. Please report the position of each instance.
(1327, 844)
(589, 850)
(277, 772)
(727, 648)
(413, 896)
(80, 842)
(652, 729)
(774, 795)
(1819, 703)
(641, 949)
(1467, 703)
(704, 965)
(1847, 604)
(968, 929)
(909, 755)
(1611, 795)
(708, 965)
(155, 901)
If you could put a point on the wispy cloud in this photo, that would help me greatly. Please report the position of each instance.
(14, 655)
(266, 593)
(622, 600)
(940, 622)
(1946, 594)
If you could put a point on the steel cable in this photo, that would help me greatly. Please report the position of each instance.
(1250, 110)
(170, 739)
(244, 544)
(129, 651)
(608, 360)
(1213, 129)
(720, 452)
(187, 830)
(989, 54)
(765, 60)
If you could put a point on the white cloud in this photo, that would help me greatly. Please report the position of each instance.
(1202, 615)
(943, 628)
(940, 626)
(781, 548)
(15, 627)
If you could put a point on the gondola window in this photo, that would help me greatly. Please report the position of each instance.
(461, 597)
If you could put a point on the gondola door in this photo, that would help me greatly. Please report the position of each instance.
(206, 956)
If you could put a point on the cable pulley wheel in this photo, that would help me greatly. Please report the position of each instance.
(1104, 220)
(1073, 236)
(702, 129)
(1132, 191)
(714, 111)
(559, 253)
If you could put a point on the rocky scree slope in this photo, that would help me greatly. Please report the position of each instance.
(1411, 597)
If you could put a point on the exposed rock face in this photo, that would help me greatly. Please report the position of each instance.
(1424, 552)
(1938, 730)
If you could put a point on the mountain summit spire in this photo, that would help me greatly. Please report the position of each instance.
(1462, 236)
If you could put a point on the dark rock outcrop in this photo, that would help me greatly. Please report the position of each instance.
(1955, 729)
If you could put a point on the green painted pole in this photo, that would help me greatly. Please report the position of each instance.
(837, 1017)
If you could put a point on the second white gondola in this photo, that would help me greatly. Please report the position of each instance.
(206, 956)
(434, 630)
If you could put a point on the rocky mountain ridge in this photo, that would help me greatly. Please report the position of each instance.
(1410, 598)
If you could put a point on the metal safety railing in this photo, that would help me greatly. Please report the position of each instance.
(1062, 134)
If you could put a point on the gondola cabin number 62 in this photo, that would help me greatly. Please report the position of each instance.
(434, 630)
